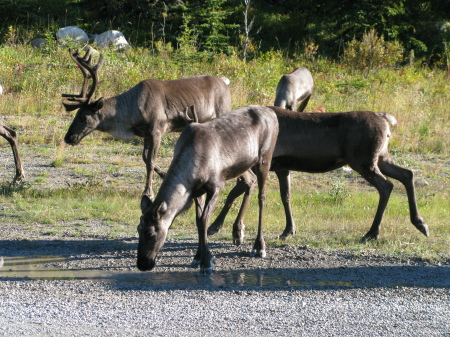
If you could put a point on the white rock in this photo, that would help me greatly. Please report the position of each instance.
(112, 38)
(71, 32)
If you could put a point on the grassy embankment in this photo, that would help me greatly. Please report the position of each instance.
(331, 210)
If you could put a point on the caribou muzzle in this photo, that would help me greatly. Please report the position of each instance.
(72, 139)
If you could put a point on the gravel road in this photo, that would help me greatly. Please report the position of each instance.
(54, 284)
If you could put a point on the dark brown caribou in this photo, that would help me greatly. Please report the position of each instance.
(149, 110)
(321, 142)
(294, 87)
(11, 136)
(206, 155)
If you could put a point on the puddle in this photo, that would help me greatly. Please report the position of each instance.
(26, 268)
(23, 268)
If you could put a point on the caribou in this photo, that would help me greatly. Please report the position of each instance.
(294, 87)
(322, 142)
(11, 136)
(149, 110)
(205, 156)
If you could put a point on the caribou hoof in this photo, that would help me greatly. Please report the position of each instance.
(238, 236)
(258, 252)
(206, 270)
(424, 229)
(368, 237)
(195, 264)
(285, 235)
(213, 230)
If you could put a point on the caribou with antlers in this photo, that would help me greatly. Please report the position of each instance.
(11, 136)
(322, 142)
(149, 110)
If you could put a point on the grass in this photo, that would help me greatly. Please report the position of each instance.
(331, 211)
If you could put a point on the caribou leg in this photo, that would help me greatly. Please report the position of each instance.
(284, 180)
(11, 136)
(262, 171)
(303, 104)
(151, 147)
(237, 190)
(249, 178)
(373, 175)
(406, 177)
(204, 210)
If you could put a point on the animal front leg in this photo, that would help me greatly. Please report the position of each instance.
(262, 171)
(151, 147)
(11, 136)
(203, 258)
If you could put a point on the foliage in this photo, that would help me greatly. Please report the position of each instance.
(372, 52)
(219, 25)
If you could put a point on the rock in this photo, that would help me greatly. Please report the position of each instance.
(38, 42)
(75, 33)
(112, 38)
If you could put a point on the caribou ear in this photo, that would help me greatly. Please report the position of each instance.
(71, 107)
(145, 203)
(98, 104)
(161, 210)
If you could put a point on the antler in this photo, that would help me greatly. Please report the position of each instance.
(89, 71)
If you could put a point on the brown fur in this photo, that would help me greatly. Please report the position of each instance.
(149, 110)
(321, 142)
(206, 155)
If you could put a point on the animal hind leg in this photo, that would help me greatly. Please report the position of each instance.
(249, 180)
(373, 175)
(237, 190)
(285, 193)
(406, 177)
(304, 103)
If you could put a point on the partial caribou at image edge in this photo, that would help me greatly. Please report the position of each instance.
(11, 136)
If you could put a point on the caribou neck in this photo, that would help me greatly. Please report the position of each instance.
(119, 117)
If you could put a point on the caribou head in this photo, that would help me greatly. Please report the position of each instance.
(87, 118)
(152, 230)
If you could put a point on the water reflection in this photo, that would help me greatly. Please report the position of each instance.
(21, 268)
(49, 268)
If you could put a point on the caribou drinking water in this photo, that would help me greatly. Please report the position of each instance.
(322, 142)
(206, 155)
(149, 110)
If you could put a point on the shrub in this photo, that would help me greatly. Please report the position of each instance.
(372, 52)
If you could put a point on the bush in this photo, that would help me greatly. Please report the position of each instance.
(372, 52)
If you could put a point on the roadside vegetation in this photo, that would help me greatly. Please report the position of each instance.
(332, 211)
